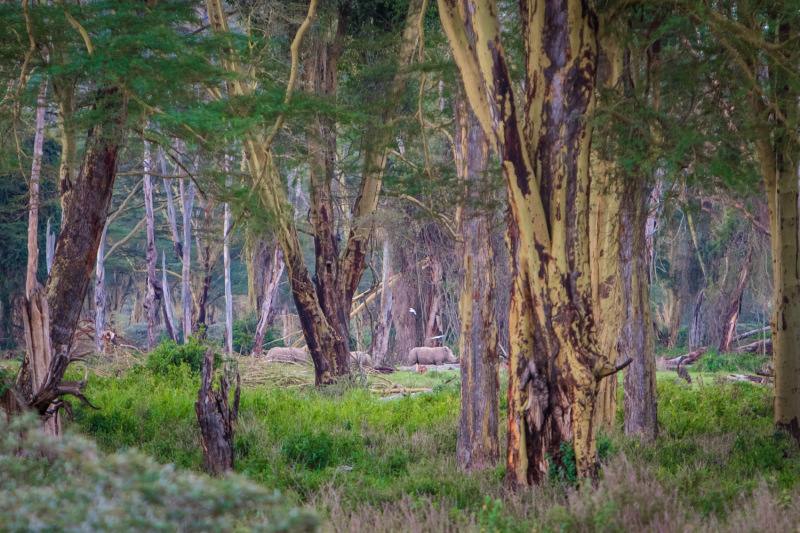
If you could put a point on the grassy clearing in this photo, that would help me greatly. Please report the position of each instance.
(367, 465)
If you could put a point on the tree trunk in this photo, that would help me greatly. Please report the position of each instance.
(216, 418)
(695, 331)
(478, 444)
(173, 224)
(33, 210)
(36, 365)
(380, 339)
(268, 301)
(604, 223)
(555, 363)
(405, 299)
(166, 301)
(50, 248)
(730, 318)
(258, 270)
(187, 202)
(100, 295)
(636, 341)
(85, 203)
(433, 325)
(154, 287)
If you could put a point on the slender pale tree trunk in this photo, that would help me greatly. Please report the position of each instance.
(478, 444)
(33, 210)
(268, 302)
(166, 301)
(226, 258)
(433, 325)
(50, 249)
(100, 295)
(380, 343)
(173, 223)
(154, 290)
(187, 202)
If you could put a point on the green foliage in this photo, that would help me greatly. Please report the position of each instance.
(64, 484)
(748, 363)
(563, 468)
(171, 354)
(492, 518)
(312, 450)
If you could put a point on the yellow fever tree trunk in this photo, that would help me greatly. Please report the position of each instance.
(555, 362)
(478, 436)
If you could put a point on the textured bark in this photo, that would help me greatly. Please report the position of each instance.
(100, 295)
(85, 203)
(258, 264)
(405, 299)
(50, 247)
(321, 320)
(433, 324)
(732, 311)
(478, 445)
(380, 338)
(604, 234)
(216, 417)
(34, 371)
(695, 332)
(636, 340)
(268, 301)
(226, 257)
(173, 223)
(555, 363)
(187, 202)
(154, 288)
(33, 209)
(166, 301)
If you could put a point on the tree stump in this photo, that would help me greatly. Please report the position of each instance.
(216, 418)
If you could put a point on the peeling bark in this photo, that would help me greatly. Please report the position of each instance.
(730, 318)
(268, 301)
(478, 445)
(216, 418)
(555, 362)
(100, 295)
(154, 288)
(85, 205)
(380, 338)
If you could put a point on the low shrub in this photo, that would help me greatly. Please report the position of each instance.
(64, 484)
(171, 354)
(312, 450)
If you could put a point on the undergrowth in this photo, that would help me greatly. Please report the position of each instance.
(349, 453)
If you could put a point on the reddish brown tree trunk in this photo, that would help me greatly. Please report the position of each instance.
(730, 317)
(85, 202)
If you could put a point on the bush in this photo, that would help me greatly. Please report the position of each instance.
(730, 362)
(171, 354)
(65, 484)
(314, 451)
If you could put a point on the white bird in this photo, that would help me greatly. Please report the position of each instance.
(411, 310)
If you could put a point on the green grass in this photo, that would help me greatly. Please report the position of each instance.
(352, 457)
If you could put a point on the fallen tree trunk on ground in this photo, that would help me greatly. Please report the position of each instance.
(753, 332)
(744, 377)
(766, 344)
(688, 358)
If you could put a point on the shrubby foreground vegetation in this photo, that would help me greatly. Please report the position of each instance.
(354, 463)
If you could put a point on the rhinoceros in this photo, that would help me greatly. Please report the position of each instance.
(431, 356)
(362, 358)
(286, 354)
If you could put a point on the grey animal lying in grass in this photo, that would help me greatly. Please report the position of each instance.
(286, 354)
(431, 356)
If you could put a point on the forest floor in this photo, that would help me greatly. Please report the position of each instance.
(367, 465)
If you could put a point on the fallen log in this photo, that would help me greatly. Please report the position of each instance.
(687, 359)
(431, 368)
(756, 346)
(751, 333)
(744, 377)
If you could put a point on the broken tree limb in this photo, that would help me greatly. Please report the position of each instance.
(216, 418)
(766, 344)
(688, 358)
(753, 332)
